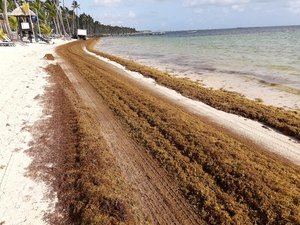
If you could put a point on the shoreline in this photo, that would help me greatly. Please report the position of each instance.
(150, 143)
(268, 93)
(207, 163)
(254, 88)
(285, 121)
(254, 131)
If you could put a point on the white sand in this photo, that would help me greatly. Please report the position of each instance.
(271, 140)
(22, 200)
(279, 95)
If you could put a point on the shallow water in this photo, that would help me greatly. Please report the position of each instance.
(269, 55)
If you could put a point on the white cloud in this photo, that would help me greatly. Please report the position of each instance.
(294, 6)
(239, 8)
(115, 18)
(236, 5)
(131, 15)
(106, 2)
(195, 3)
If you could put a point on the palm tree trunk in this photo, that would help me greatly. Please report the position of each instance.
(77, 19)
(68, 24)
(38, 22)
(55, 25)
(62, 23)
(58, 26)
(7, 27)
(59, 13)
(73, 28)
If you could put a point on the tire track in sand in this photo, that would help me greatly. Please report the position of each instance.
(158, 195)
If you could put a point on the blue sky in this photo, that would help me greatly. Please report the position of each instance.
(192, 14)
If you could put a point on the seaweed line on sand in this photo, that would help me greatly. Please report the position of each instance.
(229, 182)
(285, 121)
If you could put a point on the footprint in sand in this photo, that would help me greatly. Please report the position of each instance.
(27, 198)
(36, 97)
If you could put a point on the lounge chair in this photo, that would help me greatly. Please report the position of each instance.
(6, 42)
(43, 39)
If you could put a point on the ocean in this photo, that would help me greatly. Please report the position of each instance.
(269, 55)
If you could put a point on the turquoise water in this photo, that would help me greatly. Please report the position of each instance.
(266, 54)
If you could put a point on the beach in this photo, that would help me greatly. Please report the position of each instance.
(245, 61)
(24, 198)
(92, 137)
(160, 121)
(254, 131)
(118, 112)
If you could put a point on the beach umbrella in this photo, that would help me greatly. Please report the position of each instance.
(24, 12)
(20, 12)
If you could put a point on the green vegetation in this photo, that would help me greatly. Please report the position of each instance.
(287, 122)
(229, 182)
(2, 34)
(61, 20)
(45, 29)
(4, 6)
(13, 23)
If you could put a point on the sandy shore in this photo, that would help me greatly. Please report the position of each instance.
(209, 162)
(23, 200)
(254, 131)
(270, 94)
(247, 85)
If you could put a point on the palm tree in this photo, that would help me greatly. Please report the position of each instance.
(60, 18)
(37, 7)
(75, 7)
(66, 14)
(51, 8)
(5, 17)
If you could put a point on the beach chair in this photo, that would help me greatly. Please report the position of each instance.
(6, 42)
(43, 39)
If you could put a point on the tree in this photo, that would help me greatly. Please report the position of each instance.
(51, 8)
(13, 23)
(37, 8)
(60, 18)
(66, 15)
(75, 7)
(54, 17)
(5, 17)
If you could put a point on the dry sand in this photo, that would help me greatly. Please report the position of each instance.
(254, 131)
(23, 200)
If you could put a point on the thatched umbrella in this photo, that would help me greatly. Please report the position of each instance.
(25, 13)
(19, 12)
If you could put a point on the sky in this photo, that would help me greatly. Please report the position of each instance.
(171, 15)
